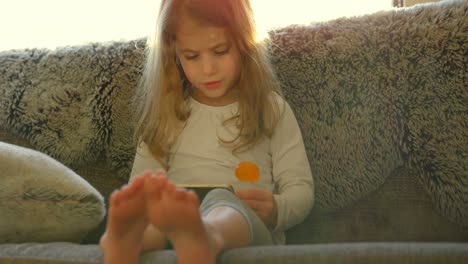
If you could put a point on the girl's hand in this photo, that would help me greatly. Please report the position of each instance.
(263, 203)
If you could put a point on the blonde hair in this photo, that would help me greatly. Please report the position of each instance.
(163, 97)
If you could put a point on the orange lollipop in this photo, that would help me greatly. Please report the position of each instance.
(247, 171)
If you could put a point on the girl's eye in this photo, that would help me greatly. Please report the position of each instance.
(191, 57)
(221, 52)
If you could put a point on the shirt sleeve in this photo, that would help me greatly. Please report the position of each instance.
(291, 172)
(144, 161)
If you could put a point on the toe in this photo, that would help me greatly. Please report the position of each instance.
(153, 186)
(179, 194)
(192, 197)
(115, 198)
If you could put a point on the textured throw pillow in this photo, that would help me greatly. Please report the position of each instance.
(41, 200)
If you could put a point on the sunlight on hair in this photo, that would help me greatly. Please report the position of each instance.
(54, 23)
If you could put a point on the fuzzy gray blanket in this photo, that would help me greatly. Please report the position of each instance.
(371, 93)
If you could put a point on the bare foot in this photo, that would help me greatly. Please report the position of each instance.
(126, 223)
(175, 212)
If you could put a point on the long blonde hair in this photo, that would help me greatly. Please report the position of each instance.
(163, 97)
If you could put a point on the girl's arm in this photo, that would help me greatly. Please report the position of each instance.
(291, 172)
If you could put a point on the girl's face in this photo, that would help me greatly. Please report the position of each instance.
(210, 60)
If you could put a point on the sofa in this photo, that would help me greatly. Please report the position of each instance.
(381, 100)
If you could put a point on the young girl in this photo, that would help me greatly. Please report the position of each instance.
(211, 101)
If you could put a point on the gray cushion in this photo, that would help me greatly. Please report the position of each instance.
(57, 252)
(42, 200)
(399, 210)
(427, 253)
(424, 253)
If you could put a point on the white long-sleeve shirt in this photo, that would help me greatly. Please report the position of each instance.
(199, 157)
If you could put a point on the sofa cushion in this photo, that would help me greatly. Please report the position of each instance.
(42, 200)
(442, 253)
(399, 210)
(48, 253)
(427, 253)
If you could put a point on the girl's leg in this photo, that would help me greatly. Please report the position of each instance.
(153, 239)
(175, 212)
(196, 238)
(227, 229)
(126, 222)
(236, 224)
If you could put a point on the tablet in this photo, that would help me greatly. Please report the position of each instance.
(202, 189)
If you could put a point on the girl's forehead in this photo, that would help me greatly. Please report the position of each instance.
(192, 34)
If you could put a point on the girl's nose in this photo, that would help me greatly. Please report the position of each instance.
(209, 66)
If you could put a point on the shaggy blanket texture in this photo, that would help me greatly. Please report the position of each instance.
(371, 93)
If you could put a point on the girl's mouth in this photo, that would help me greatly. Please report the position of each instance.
(212, 85)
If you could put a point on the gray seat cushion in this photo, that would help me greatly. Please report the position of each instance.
(443, 253)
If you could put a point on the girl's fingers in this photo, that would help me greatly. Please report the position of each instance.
(255, 194)
(254, 204)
